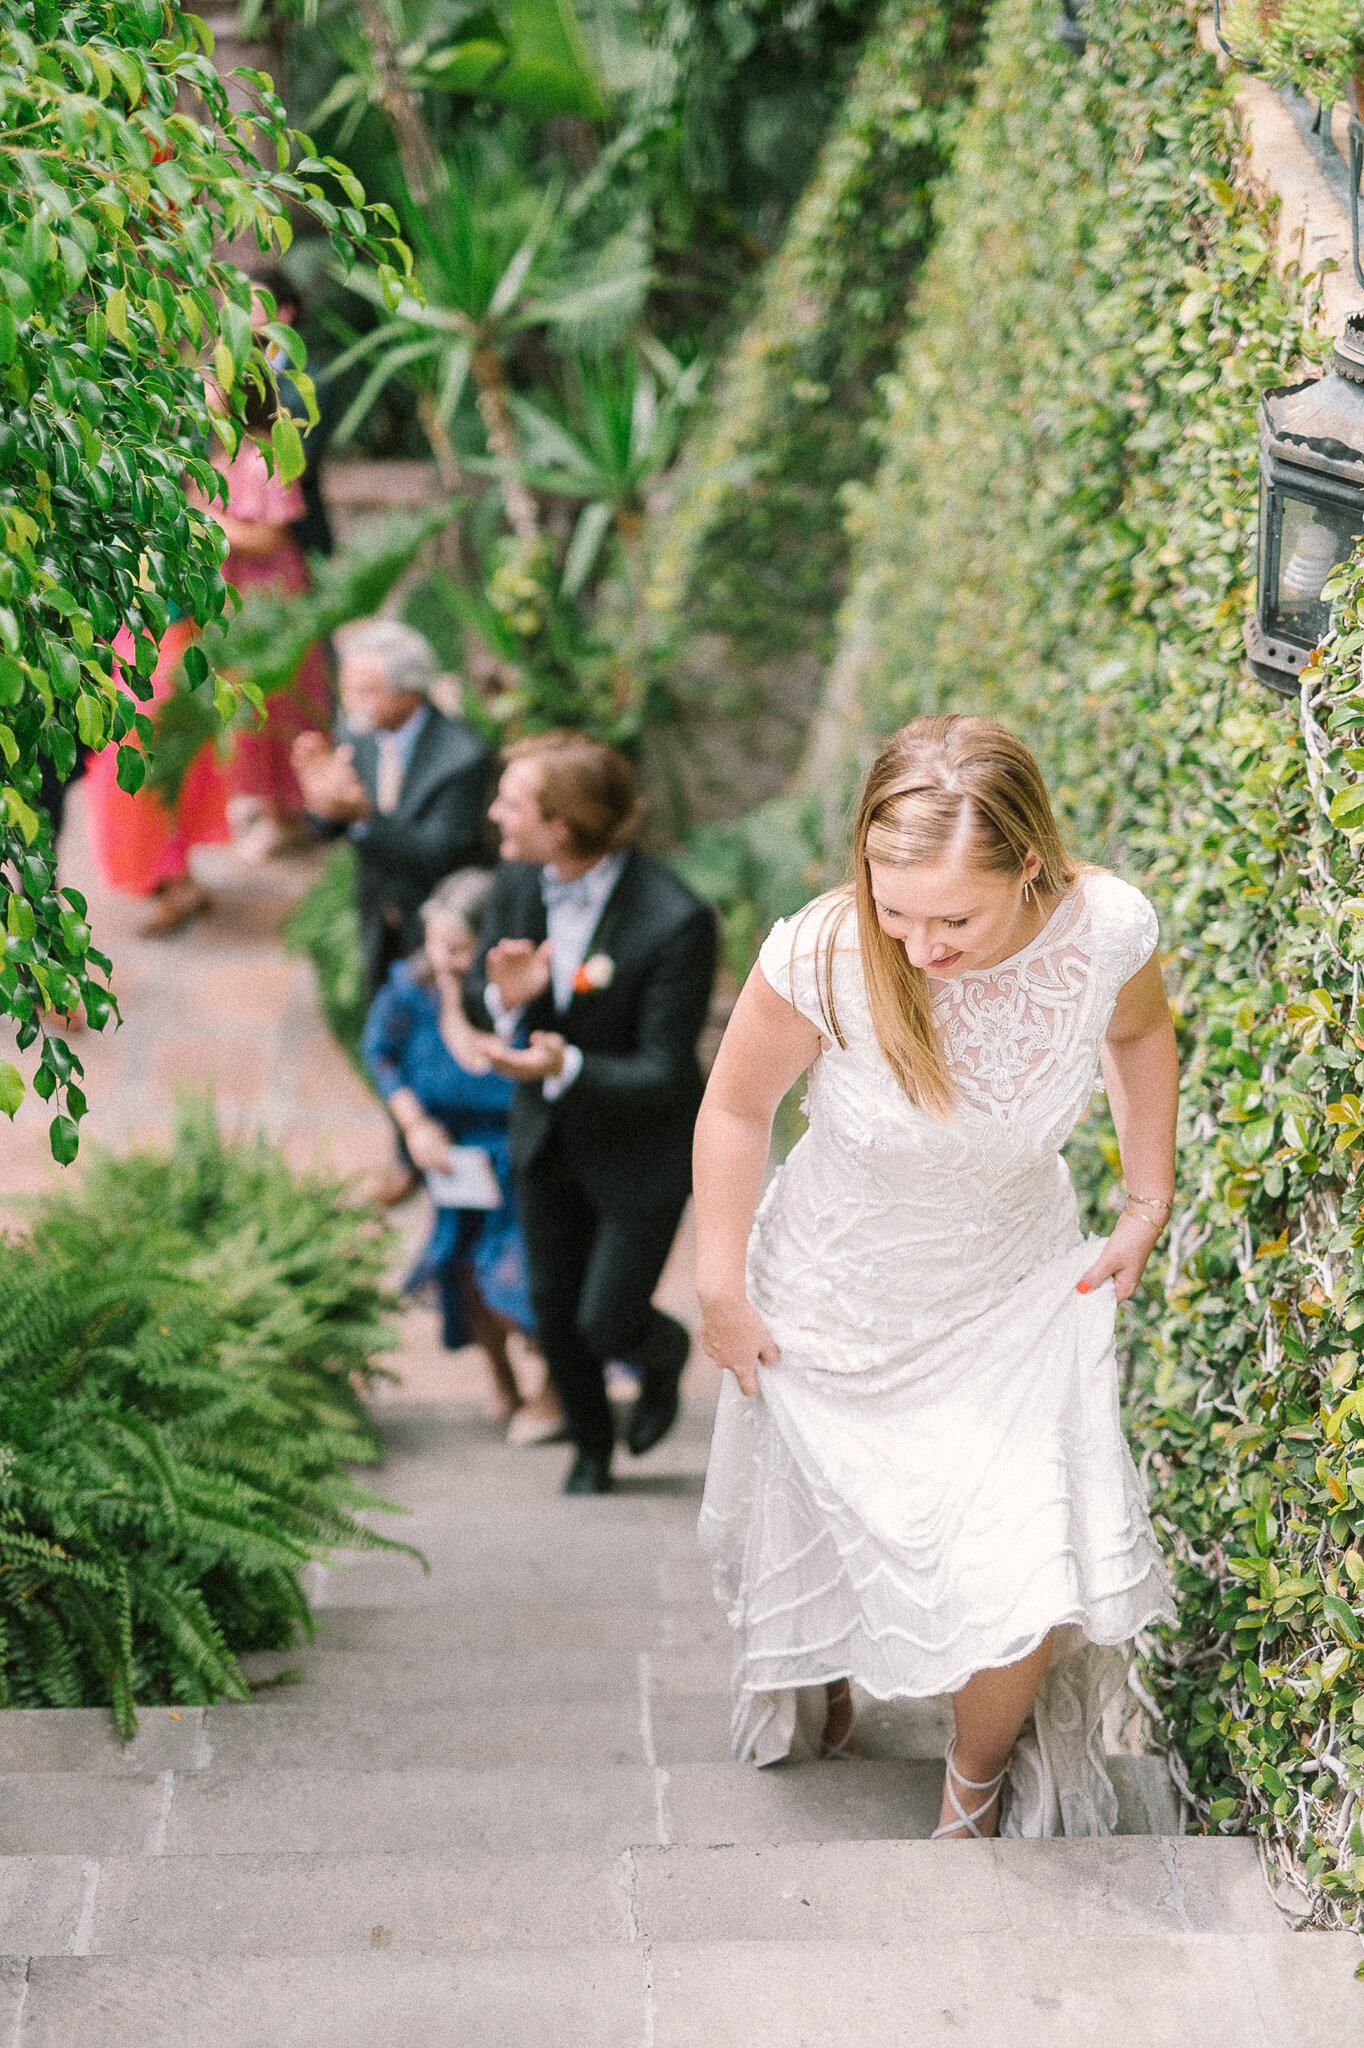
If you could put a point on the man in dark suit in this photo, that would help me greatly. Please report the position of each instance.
(595, 970)
(409, 785)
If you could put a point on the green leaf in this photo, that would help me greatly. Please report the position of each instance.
(1342, 1618)
(234, 325)
(288, 447)
(64, 1139)
(12, 1089)
(130, 770)
(20, 814)
(1347, 805)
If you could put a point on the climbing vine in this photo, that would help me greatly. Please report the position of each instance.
(1061, 533)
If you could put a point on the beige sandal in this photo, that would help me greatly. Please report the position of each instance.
(176, 903)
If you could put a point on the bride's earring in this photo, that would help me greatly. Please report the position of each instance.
(1027, 892)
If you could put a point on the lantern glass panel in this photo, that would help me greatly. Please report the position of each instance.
(1313, 540)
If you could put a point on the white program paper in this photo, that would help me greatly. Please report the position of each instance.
(468, 1183)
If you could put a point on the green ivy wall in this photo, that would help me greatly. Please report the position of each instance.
(1060, 533)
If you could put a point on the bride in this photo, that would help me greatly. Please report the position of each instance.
(918, 1480)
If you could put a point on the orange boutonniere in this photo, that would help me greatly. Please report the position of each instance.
(596, 973)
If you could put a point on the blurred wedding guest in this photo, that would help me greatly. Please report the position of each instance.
(259, 520)
(595, 968)
(312, 530)
(432, 1069)
(140, 843)
(407, 783)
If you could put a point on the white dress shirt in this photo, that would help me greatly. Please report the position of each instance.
(569, 927)
(393, 758)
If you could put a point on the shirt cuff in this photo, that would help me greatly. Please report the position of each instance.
(505, 1021)
(555, 1085)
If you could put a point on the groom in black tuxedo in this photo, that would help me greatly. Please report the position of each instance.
(595, 970)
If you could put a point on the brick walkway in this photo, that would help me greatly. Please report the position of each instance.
(221, 1006)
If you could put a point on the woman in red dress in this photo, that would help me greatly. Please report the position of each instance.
(140, 844)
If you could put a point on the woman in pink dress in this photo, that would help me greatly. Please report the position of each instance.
(140, 844)
(263, 794)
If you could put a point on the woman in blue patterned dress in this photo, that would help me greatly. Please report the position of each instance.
(428, 1064)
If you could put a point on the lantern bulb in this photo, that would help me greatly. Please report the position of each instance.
(1309, 565)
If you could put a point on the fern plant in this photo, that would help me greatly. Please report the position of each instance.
(325, 927)
(182, 1343)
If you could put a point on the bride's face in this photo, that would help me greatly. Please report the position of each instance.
(950, 917)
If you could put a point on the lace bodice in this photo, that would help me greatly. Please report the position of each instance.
(1022, 1037)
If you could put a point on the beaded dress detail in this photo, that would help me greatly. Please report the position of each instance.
(934, 1475)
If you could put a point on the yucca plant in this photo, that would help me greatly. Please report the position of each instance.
(606, 442)
(182, 1341)
(494, 260)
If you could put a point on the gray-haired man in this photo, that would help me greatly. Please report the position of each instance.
(409, 785)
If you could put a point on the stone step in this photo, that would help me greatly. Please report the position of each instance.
(919, 1895)
(1004, 1991)
(515, 1811)
(549, 1557)
(465, 1678)
(520, 1809)
(687, 1735)
(493, 1627)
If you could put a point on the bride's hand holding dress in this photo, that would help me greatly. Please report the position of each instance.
(1141, 1076)
(764, 1052)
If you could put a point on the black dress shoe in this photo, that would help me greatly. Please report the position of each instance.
(589, 1474)
(653, 1416)
(655, 1411)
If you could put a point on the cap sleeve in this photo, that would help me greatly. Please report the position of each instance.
(1130, 928)
(791, 962)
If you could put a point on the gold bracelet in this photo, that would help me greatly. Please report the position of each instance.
(1150, 1221)
(1153, 1201)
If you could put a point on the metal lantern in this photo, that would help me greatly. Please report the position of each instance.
(1311, 508)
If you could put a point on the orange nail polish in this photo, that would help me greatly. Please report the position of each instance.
(1083, 1287)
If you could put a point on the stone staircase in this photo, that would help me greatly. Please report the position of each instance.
(497, 1808)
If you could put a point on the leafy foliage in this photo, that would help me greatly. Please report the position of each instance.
(559, 259)
(1061, 533)
(110, 296)
(1316, 45)
(526, 54)
(748, 542)
(181, 1343)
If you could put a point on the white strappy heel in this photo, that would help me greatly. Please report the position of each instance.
(965, 1819)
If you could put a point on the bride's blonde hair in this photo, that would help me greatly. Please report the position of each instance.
(937, 777)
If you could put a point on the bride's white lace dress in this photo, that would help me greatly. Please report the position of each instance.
(934, 1475)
